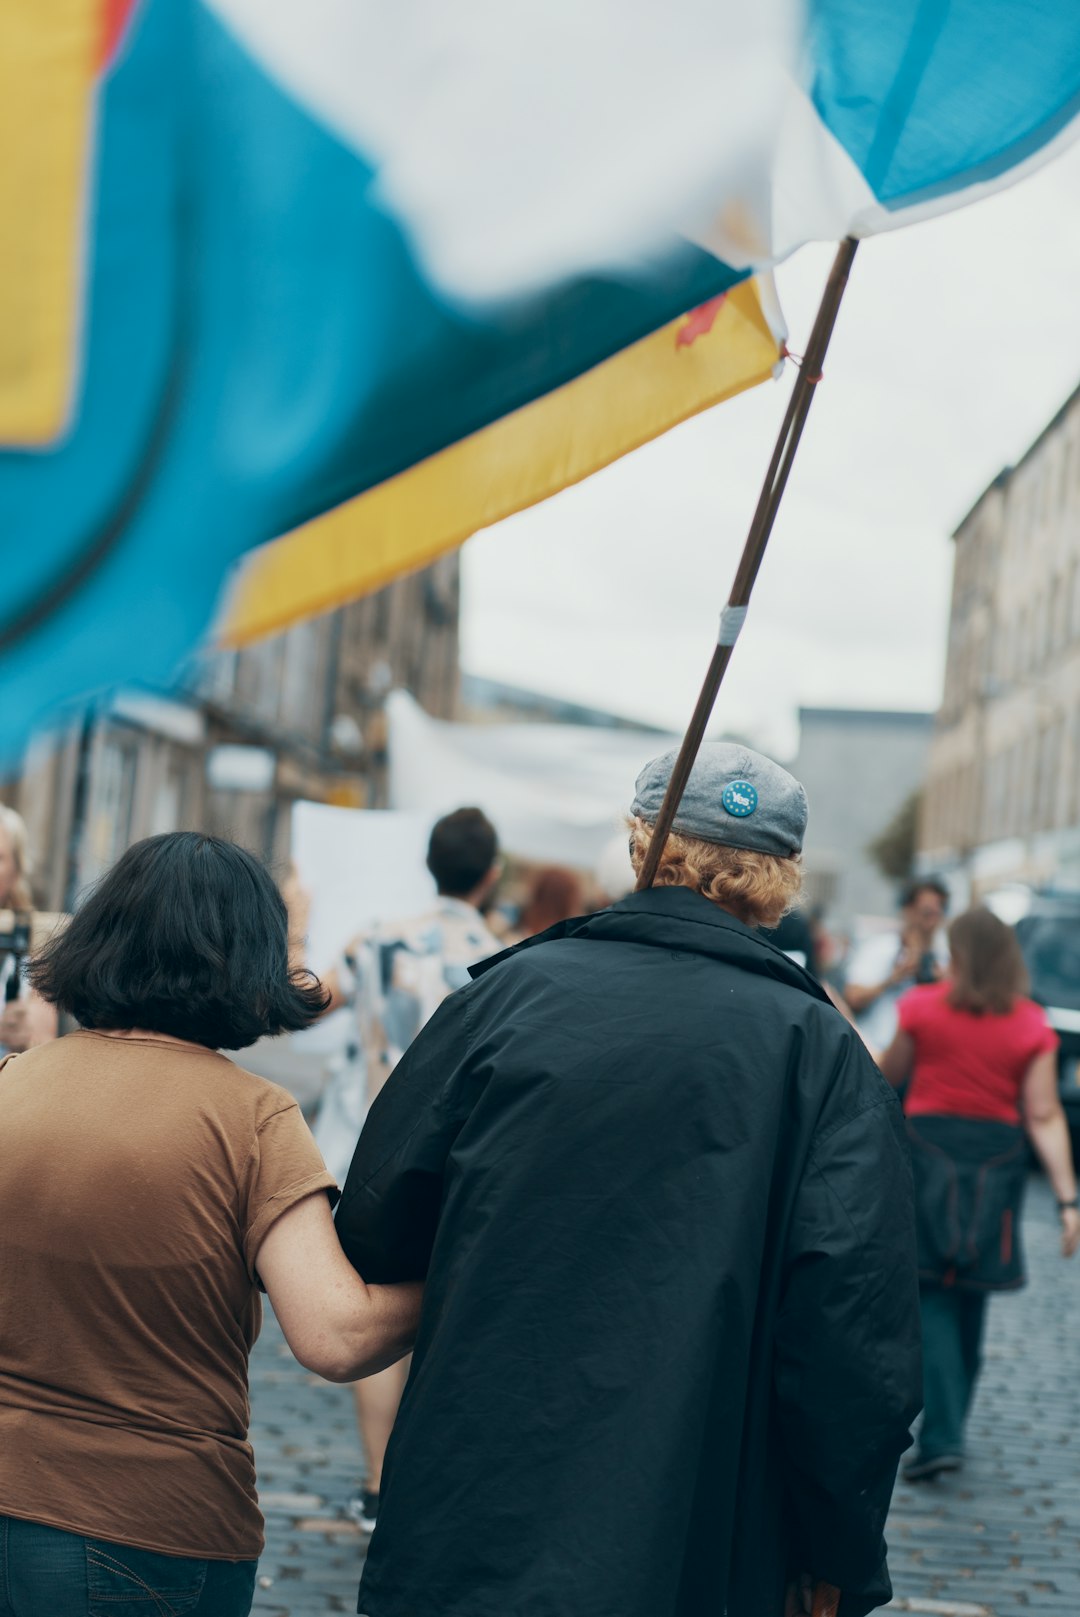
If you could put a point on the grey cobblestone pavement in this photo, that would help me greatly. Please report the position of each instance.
(1000, 1539)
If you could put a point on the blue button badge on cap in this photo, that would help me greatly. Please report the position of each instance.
(740, 799)
(735, 797)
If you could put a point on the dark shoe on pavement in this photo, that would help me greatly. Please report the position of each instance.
(920, 1468)
(362, 1508)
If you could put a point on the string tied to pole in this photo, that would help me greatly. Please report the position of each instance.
(799, 362)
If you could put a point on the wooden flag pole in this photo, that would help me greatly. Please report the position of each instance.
(757, 539)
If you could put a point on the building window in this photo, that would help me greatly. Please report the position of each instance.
(299, 692)
(1074, 602)
(947, 807)
(167, 812)
(1044, 489)
(1070, 480)
(1054, 763)
(1043, 785)
(1073, 802)
(997, 805)
(258, 678)
(1028, 772)
(1066, 469)
(1020, 646)
(1060, 615)
(112, 796)
(1039, 634)
(1016, 789)
(1003, 644)
(218, 680)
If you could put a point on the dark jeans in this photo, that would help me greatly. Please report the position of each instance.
(952, 1330)
(47, 1573)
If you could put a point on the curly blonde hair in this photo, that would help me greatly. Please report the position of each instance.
(20, 896)
(757, 888)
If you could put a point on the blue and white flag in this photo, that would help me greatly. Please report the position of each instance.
(276, 256)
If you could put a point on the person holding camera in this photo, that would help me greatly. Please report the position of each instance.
(25, 1018)
(885, 966)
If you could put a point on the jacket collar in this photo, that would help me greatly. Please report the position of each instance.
(676, 918)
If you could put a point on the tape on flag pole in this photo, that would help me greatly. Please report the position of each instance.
(732, 619)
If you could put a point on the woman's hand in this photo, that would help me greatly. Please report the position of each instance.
(1070, 1231)
(907, 963)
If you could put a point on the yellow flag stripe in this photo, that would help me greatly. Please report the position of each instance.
(48, 61)
(523, 458)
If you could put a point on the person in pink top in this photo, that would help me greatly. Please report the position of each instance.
(981, 1059)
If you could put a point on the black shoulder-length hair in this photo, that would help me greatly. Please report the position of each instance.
(187, 935)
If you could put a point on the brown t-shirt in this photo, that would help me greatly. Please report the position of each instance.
(138, 1177)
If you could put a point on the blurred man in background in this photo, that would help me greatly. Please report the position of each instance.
(885, 966)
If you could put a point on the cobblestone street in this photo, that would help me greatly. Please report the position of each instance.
(1000, 1539)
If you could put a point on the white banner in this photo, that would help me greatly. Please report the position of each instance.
(360, 866)
(556, 793)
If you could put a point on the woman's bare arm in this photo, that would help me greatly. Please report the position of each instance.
(335, 1324)
(897, 1061)
(1048, 1131)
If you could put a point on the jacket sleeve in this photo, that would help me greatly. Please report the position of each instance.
(390, 1205)
(848, 1367)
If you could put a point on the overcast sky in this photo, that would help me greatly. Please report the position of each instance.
(957, 342)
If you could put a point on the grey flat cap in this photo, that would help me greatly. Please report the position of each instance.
(733, 796)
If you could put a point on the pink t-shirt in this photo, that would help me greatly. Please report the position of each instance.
(967, 1065)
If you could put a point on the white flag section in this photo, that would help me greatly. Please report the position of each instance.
(555, 792)
(519, 145)
(527, 143)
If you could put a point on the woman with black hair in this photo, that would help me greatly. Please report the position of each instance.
(148, 1188)
(982, 1060)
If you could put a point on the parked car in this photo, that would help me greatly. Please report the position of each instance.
(1049, 935)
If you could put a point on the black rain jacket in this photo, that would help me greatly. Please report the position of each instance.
(669, 1346)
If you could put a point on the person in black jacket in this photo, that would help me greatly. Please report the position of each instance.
(669, 1350)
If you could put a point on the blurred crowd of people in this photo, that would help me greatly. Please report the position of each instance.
(187, 927)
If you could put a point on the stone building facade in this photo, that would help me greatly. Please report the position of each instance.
(1002, 798)
(298, 715)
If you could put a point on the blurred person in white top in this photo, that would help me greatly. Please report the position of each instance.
(883, 967)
